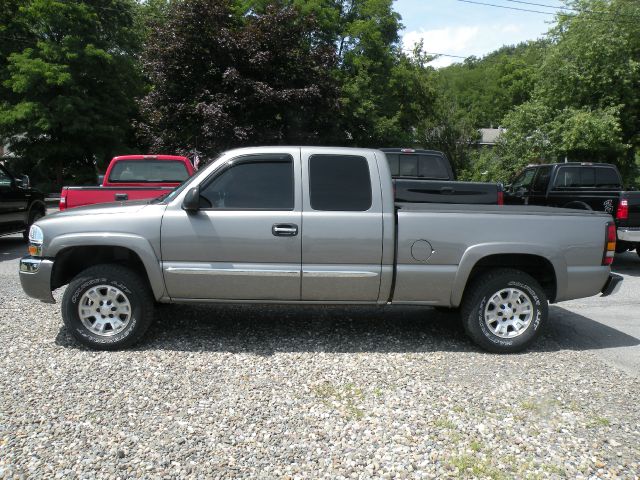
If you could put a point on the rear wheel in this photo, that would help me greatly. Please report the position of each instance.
(108, 307)
(504, 310)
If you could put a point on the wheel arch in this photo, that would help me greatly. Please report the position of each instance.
(74, 254)
(539, 266)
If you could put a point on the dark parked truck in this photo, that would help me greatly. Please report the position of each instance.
(426, 176)
(131, 177)
(318, 226)
(584, 186)
(20, 205)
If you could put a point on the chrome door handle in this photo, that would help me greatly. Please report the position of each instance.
(284, 230)
(121, 196)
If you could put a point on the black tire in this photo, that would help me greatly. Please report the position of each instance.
(135, 297)
(478, 300)
(34, 216)
(638, 249)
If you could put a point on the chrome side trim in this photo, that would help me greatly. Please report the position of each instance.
(338, 274)
(232, 272)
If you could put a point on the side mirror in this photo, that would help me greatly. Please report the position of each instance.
(191, 202)
(23, 182)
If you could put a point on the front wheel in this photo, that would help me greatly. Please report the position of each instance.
(108, 307)
(504, 310)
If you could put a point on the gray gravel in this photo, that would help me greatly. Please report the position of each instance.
(283, 392)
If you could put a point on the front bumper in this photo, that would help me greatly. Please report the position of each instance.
(35, 277)
(613, 284)
(629, 234)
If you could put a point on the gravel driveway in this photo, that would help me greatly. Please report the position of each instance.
(308, 392)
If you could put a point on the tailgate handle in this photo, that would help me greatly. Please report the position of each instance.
(284, 230)
(122, 196)
(446, 190)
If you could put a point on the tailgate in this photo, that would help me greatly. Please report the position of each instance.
(633, 205)
(434, 191)
(79, 196)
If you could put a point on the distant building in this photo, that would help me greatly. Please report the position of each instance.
(489, 137)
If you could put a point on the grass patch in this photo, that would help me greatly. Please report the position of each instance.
(469, 466)
(345, 397)
(476, 446)
(445, 423)
(599, 422)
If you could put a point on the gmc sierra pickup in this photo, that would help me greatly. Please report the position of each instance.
(314, 225)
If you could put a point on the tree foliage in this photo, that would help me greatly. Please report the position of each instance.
(69, 79)
(222, 79)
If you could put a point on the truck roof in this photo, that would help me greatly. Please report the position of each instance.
(149, 157)
(572, 164)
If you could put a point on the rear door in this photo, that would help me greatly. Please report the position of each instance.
(342, 226)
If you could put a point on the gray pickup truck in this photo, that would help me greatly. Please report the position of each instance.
(314, 225)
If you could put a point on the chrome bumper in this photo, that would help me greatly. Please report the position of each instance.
(614, 282)
(629, 234)
(35, 277)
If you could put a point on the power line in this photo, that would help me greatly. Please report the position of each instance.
(615, 17)
(577, 10)
(507, 8)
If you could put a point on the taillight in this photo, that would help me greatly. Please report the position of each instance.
(500, 198)
(623, 210)
(610, 244)
(63, 203)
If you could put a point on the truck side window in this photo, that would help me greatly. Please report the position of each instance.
(264, 182)
(542, 180)
(339, 183)
(523, 180)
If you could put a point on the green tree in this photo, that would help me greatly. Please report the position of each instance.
(224, 79)
(384, 93)
(68, 81)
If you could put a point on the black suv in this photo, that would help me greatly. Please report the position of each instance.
(20, 205)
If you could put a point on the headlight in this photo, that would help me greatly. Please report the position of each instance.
(35, 235)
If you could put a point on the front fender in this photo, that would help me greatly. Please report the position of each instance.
(476, 253)
(135, 243)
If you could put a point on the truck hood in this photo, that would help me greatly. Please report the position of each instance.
(103, 208)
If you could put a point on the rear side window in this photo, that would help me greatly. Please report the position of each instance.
(575, 177)
(262, 182)
(418, 165)
(339, 183)
(140, 171)
(5, 179)
(607, 178)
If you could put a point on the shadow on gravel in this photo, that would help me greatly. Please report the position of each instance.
(627, 263)
(269, 329)
(12, 247)
(577, 332)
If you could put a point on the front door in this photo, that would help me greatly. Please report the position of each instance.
(245, 241)
(342, 234)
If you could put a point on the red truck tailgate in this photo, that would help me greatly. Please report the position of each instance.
(78, 196)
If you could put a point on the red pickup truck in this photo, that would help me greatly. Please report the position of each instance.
(131, 177)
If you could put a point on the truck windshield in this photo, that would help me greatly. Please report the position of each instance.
(148, 171)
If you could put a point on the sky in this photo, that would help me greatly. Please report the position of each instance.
(464, 29)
